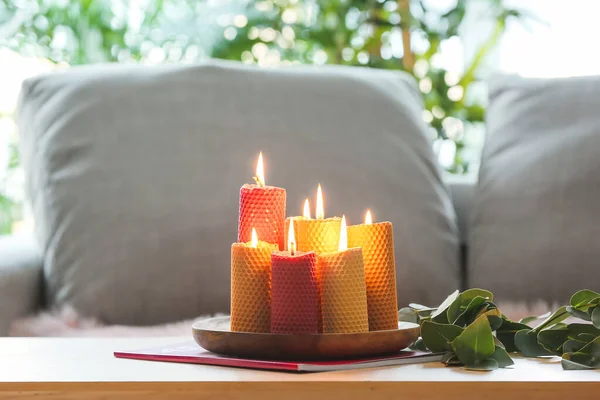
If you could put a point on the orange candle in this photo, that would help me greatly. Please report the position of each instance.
(251, 285)
(377, 243)
(343, 289)
(319, 235)
(263, 208)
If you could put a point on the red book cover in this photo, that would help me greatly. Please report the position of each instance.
(191, 353)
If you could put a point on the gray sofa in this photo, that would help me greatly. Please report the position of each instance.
(134, 173)
(21, 263)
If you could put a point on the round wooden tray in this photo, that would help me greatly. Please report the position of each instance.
(215, 335)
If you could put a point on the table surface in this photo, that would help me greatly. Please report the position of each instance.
(70, 368)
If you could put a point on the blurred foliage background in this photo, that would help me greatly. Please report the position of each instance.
(408, 35)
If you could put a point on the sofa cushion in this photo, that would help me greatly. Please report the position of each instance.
(20, 278)
(134, 173)
(535, 232)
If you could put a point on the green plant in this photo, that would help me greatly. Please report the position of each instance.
(407, 35)
(10, 209)
(463, 327)
(389, 34)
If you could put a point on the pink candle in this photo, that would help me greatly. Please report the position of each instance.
(295, 301)
(263, 208)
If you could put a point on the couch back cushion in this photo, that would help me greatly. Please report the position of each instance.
(535, 234)
(134, 174)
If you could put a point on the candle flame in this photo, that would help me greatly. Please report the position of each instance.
(320, 209)
(343, 236)
(306, 213)
(291, 239)
(368, 218)
(260, 171)
(254, 241)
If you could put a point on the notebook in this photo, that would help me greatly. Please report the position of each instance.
(190, 352)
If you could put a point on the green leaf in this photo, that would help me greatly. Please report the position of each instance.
(527, 320)
(466, 301)
(506, 334)
(532, 318)
(578, 313)
(414, 313)
(559, 315)
(475, 343)
(450, 359)
(437, 337)
(497, 342)
(570, 365)
(448, 355)
(502, 357)
(418, 345)
(596, 317)
(581, 359)
(584, 298)
(486, 365)
(527, 343)
(577, 329)
(553, 339)
(586, 337)
(440, 314)
(572, 346)
(468, 313)
(592, 348)
(495, 317)
(407, 314)
(560, 325)
(420, 307)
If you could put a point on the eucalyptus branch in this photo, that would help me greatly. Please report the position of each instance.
(471, 331)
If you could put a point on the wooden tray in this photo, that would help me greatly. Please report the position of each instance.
(214, 335)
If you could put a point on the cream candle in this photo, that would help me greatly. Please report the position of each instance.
(320, 235)
(377, 243)
(251, 285)
(343, 289)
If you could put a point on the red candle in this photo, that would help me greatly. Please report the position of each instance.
(262, 207)
(295, 301)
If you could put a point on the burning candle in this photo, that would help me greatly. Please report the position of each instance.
(294, 221)
(343, 290)
(295, 299)
(251, 285)
(377, 243)
(262, 207)
(319, 235)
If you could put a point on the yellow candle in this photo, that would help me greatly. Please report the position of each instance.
(377, 243)
(251, 285)
(343, 289)
(319, 235)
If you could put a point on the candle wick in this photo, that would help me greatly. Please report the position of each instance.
(258, 181)
(292, 248)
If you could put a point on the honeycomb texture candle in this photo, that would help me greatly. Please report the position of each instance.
(343, 291)
(295, 293)
(287, 223)
(251, 287)
(263, 208)
(377, 243)
(318, 235)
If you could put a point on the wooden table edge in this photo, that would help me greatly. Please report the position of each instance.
(423, 390)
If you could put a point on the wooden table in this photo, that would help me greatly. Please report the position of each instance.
(86, 369)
